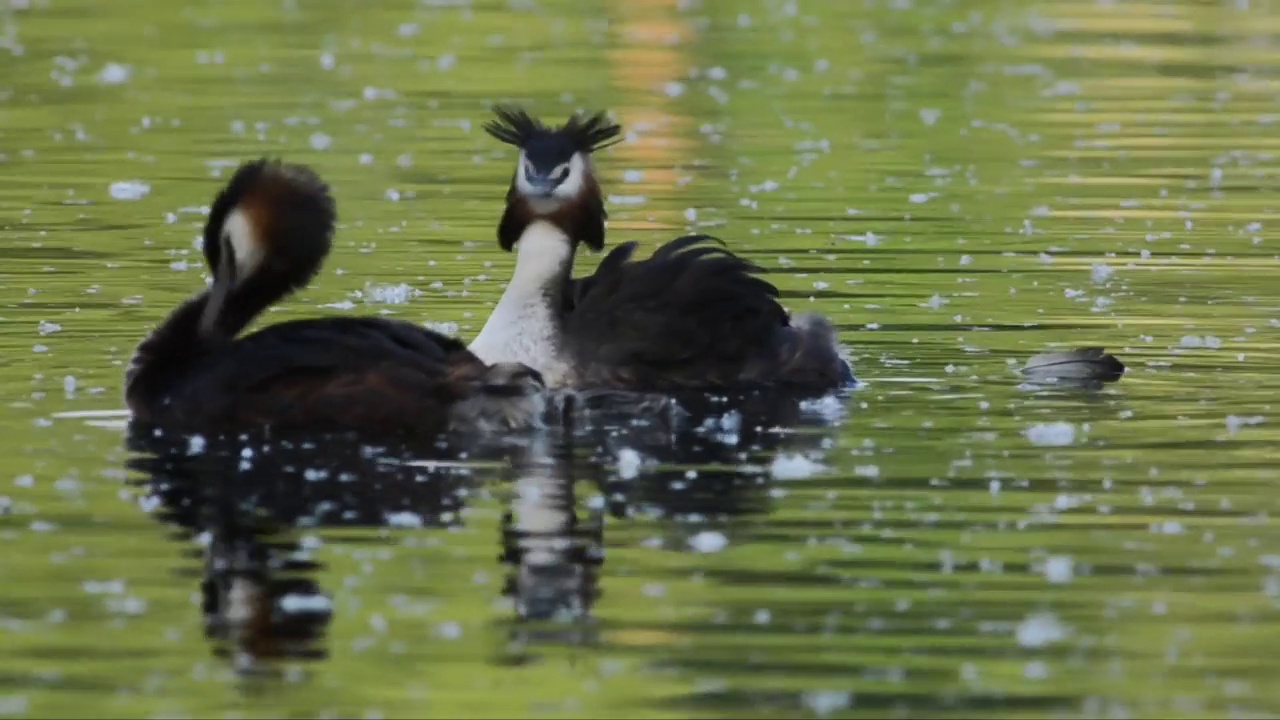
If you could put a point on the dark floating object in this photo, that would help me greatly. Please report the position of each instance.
(1092, 364)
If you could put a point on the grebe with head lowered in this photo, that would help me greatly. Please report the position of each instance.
(269, 230)
(692, 317)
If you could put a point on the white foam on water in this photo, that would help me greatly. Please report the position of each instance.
(124, 413)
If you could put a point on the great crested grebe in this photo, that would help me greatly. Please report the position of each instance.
(269, 230)
(692, 317)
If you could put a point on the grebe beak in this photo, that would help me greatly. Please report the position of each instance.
(224, 278)
(539, 184)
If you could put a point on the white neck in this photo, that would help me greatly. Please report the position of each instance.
(523, 327)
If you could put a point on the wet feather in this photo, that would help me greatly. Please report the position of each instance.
(1091, 363)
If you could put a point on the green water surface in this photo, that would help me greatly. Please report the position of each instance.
(958, 184)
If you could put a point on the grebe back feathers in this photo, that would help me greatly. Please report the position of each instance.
(695, 315)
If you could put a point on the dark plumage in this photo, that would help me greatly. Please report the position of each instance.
(1083, 364)
(268, 232)
(370, 374)
(514, 126)
(692, 316)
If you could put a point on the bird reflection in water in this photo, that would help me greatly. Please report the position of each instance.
(554, 557)
(640, 453)
(693, 457)
(248, 499)
(257, 601)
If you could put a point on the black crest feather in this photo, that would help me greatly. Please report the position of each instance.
(514, 126)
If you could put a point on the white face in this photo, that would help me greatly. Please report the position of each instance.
(241, 243)
(570, 174)
(246, 247)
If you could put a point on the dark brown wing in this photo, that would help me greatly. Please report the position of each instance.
(694, 315)
(368, 374)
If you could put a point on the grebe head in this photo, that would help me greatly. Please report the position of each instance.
(268, 232)
(554, 180)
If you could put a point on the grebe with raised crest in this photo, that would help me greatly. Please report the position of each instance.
(692, 317)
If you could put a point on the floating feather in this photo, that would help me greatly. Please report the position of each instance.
(1092, 363)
